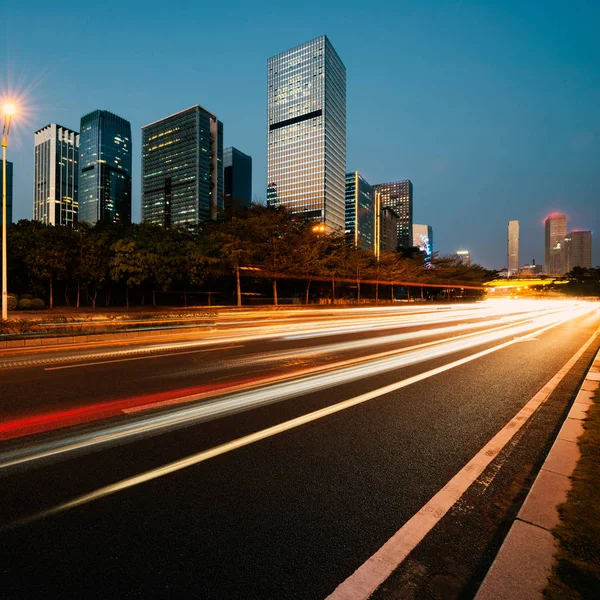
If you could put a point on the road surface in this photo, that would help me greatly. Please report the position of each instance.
(337, 453)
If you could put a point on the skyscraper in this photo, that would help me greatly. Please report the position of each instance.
(104, 168)
(306, 138)
(389, 230)
(423, 238)
(513, 248)
(556, 230)
(55, 175)
(360, 212)
(237, 174)
(577, 250)
(182, 168)
(9, 192)
(399, 196)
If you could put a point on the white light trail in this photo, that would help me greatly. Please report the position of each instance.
(262, 396)
(546, 324)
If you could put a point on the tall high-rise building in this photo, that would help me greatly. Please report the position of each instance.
(182, 168)
(513, 248)
(55, 175)
(399, 196)
(577, 250)
(104, 168)
(9, 192)
(237, 176)
(423, 238)
(389, 230)
(306, 138)
(555, 231)
(360, 212)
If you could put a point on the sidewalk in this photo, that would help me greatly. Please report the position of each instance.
(524, 562)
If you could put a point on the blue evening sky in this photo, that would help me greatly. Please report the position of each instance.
(492, 109)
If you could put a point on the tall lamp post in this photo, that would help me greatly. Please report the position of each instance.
(9, 109)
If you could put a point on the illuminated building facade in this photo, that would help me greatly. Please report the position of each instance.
(104, 168)
(56, 175)
(555, 231)
(422, 237)
(237, 176)
(513, 248)
(9, 192)
(577, 250)
(399, 196)
(182, 168)
(306, 137)
(360, 212)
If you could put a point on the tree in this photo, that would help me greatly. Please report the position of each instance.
(273, 230)
(94, 269)
(51, 256)
(231, 241)
(130, 263)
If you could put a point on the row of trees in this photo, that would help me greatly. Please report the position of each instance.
(261, 242)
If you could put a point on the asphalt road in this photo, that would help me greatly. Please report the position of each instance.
(407, 397)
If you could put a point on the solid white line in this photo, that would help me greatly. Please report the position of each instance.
(368, 577)
(271, 431)
(118, 360)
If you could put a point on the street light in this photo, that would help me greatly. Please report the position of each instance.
(8, 110)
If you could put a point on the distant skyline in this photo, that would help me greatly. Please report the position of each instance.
(492, 111)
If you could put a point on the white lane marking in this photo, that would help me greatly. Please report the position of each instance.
(118, 360)
(368, 577)
(269, 432)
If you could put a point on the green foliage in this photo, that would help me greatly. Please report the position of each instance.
(12, 302)
(25, 304)
(262, 242)
(37, 304)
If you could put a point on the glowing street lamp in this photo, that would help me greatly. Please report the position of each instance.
(8, 111)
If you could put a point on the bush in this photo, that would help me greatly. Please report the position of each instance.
(24, 304)
(12, 302)
(37, 304)
(26, 297)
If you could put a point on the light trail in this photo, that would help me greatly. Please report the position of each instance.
(262, 396)
(316, 350)
(205, 455)
(306, 329)
(38, 423)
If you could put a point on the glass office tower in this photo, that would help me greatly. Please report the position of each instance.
(555, 231)
(104, 168)
(56, 175)
(360, 212)
(9, 192)
(237, 176)
(182, 168)
(399, 196)
(577, 250)
(513, 248)
(306, 138)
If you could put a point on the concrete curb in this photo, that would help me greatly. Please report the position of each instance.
(102, 337)
(524, 561)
